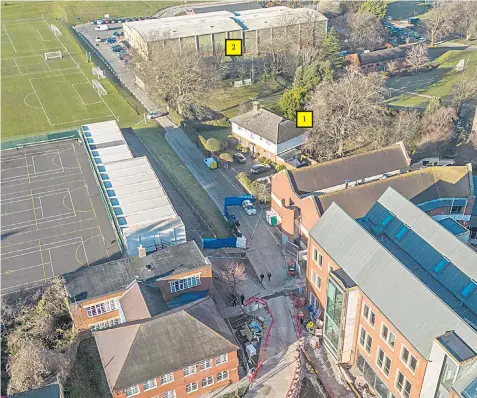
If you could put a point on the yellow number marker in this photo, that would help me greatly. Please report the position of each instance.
(304, 119)
(233, 47)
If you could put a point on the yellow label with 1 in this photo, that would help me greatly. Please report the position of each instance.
(304, 119)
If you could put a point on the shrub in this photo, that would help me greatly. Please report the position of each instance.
(280, 167)
(264, 160)
(245, 149)
(227, 157)
(202, 141)
(238, 147)
(232, 141)
(213, 145)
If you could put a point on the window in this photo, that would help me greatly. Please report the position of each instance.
(167, 378)
(169, 394)
(315, 279)
(383, 361)
(105, 324)
(149, 385)
(221, 359)
(456, 209)
(388, 336)
(134, 390)
(313, 300)
(468, 289)
(101, 308)
(403, 385)
(186, 283)
(222, 375)
(402, 232)
(408, 359)
(191, 387)
(369, 315)
(387, 220)
(208, 381)
(365, 340)
(189, 370)
(317, 257)
(205, 364)
(442, 264)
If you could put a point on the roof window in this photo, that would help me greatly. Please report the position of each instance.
(402, 232)
(442, 264)
(387, 220)
(468, 289)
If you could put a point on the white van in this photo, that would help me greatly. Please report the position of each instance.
(101, 27)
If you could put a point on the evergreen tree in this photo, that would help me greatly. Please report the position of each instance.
(376, 7)
(330, 49)
(292, 101)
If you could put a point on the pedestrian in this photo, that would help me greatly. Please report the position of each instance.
(234, 301)
(242, 298)
(261, 278)
(269, 276)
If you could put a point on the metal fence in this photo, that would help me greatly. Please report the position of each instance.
(20, 142)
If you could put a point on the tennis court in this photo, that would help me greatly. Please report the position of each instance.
(52, 215)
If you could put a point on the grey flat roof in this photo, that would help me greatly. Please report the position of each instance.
(466, 384)
(456, 347)
(453, 226)
(231, 7)
(415, 310)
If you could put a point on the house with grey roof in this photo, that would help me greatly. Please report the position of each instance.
(133, 288)
(188, 350)
(398, 293)
(267, 134)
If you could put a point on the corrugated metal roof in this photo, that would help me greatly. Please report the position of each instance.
(111, 154)
(103, 132)
(453, 226)
(418, 312)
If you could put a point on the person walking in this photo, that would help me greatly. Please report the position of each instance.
(234, 301)
(242, 298)
(261, 278)
(269, 276)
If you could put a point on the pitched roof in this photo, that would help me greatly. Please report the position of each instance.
(141, 301)
(329, 174)
(50, 391)
(387, 54)
(393, 288)
(163, 344)
(95, 281)
(231, 7)
(418, 186)
(268, 125)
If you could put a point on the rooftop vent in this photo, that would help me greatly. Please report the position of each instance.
(149, 267)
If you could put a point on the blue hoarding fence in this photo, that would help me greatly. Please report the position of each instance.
(217, 243)
(235, 201)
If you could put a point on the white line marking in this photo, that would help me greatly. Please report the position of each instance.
(45, 62)
(23, 284)
(33, 163)
(19, 70)
(84, 103)
(39, 189)
(11, 271)
(42, 107)
(9, 38)
(25, 102)
(46, 179)
(38, 251)
(41, 208)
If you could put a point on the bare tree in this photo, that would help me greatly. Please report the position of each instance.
(261, 192)
(405, 126)
(464, 91)
(438, 127)
(438, 20)
(417, 56)
(464, 18)
(392, 66)
(174, 76)
(349, 110)
(366, 30)
(233, 275)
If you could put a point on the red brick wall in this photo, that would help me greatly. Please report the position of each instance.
(80, 317)
(205, 273)
(179, 383)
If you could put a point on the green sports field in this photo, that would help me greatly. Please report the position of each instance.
(40, 95)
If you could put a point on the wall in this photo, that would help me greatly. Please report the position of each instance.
(241, 132)
(179, 383)
(80, 317)
(433, 371)
(352, 315)
(290, 144)
(205, 273)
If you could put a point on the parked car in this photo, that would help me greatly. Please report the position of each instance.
(117, 48)
(156, 114)
(211, 163)
(239, 158)
(260, 168)
(111, 40)
(249, 207)
(98, 39)
(101, 27)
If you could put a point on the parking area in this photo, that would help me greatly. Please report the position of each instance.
(52, 215)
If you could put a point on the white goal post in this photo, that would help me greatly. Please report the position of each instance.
(98, 87)
(53, 54)
(97, 71)
(55, 30)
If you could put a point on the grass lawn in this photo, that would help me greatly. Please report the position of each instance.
(87, 378)
(437, 82)
(154, 139)
(405, 9)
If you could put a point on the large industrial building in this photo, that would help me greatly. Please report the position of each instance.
(207, 32)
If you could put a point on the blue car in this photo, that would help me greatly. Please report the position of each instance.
(111, 40)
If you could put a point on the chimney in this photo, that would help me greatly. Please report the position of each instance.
(347, 183)
(142, 251)
(256, 106)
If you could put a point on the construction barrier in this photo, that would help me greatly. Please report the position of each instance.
(295, 385)
(216, 243)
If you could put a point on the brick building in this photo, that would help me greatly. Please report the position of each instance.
(268, 134)
(398, 294)
(379, 60)
(98, 294)
(300, 197)
(188, 351)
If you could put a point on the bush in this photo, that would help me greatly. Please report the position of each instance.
(202, 141)
(245, 150)
(222, 122)
(280, 167)
(238, 147)
(232, 141)
(264, 160)
(213, 145)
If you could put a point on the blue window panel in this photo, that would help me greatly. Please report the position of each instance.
(90, 140)
(96, 154)
(101, 169)
(402, 232)
(107, 184)
(387, 220)
(85, 127)
(98, 160)
(111, 193)
(118, 211)
(87, 134)
(91, 146)
(114, 202)
(104, 177)
(122, 221)
(442, 264)
(468, 289)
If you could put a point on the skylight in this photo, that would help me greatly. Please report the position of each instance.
(442, 264)
(387, 220)
(402, 232)
(468, 289)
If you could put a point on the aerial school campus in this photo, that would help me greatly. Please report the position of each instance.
(239, 198)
